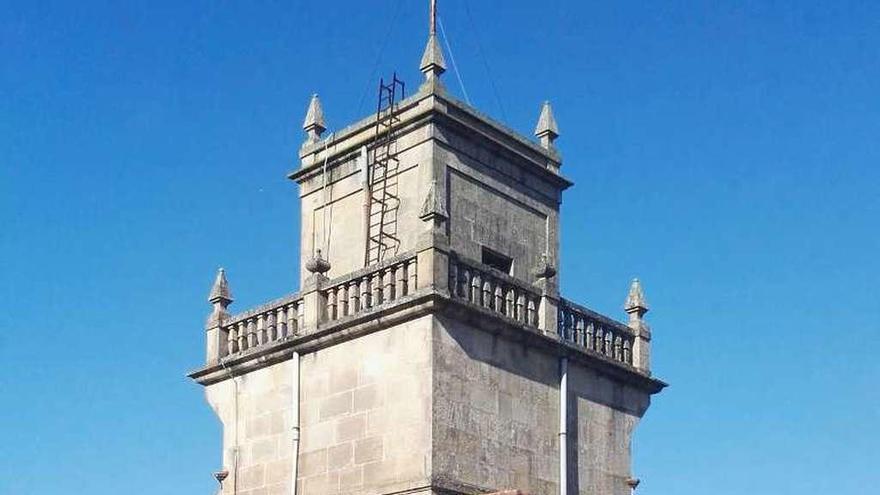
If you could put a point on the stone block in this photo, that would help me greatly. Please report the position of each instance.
(336, 405)
(368, 450)
(312, 463)
(351, 427)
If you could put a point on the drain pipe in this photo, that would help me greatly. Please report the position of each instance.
(294, 418)
(563, 426)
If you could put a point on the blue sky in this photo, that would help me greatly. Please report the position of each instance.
(724, 152)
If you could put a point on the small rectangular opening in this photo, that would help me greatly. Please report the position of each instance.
(497, 260)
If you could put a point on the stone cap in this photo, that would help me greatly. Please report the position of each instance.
(220, 292)
(635, 300)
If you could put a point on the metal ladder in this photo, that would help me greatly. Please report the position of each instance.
(382, 177)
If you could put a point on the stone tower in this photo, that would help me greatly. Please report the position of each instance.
(428, 349)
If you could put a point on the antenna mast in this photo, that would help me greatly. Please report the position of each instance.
(433, 28)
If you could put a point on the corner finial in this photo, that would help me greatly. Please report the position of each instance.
(220, 293)
(635, 304)
(317, 264)
(433, 207)
(314, 122)
(433, 64)
(547, 130)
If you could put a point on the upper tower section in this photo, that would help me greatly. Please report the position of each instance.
(428, 168)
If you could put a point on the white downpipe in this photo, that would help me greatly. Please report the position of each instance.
(563, 426)
(294, 418)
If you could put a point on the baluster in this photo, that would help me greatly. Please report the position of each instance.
(267, 335)
(300, 313)
(588, 340)
(354, 300)
(271, 327)
(342, 300)
(476, 288)
(579, 332)
(365, 292)
(231, 341)
(618, 348)
(465, 284)
(627, 354)
(261, 330)
(453, 278)
(532, 316)
(251, 334)
(400, 288)
(388, 284)
(242, 336)
(487, 292)
(280, 325)
(600, 340)
(565, 324)
(609, 335)
(331, 304)
(499, 298)
(509, 305)
(377, 288)
(412, 276)
(292, 321)
(520, 307)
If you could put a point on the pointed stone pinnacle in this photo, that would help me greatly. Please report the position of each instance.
(635, 300)
(220, 292)
(433, 64)
(433, 207)
(314, 122)
(547, 130)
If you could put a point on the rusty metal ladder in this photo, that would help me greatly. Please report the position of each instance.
(382, 177)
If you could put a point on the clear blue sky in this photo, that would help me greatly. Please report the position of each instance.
(725, 152)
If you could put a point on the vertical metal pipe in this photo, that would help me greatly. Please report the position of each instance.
(563, 426)
(294, 418)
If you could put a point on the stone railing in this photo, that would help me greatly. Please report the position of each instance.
(595, 332)
(491, 289)
(268, 323)
(370, 287)
(393, 281)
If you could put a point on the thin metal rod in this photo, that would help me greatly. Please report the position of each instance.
(433, 28)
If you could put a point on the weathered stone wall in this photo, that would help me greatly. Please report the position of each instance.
(261, 429)
(345, 215)
(496, 417)
(603, 414)
(366, 413)
(496, 202)
(365, 418)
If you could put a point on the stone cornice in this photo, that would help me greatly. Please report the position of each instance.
(412, 112)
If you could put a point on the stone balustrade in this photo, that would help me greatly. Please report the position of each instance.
(371, 287)
(596, 333)
(480, 285)
(268, 323)
(387, 283)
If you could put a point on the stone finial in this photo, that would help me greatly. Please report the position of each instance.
(220, 297)
(544, 268)
(636, 306)
(547, 130)
(433, 208)
(314, 122)
(433, 64)
(635, 301)
(317, 264)
(220, 293)
(632, 483)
